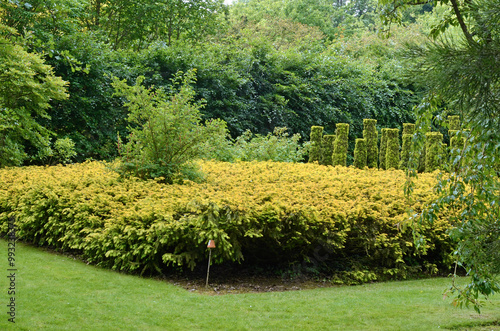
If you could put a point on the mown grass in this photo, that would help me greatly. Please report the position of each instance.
(55, 292)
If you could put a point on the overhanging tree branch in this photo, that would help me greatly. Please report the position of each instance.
(461, 22)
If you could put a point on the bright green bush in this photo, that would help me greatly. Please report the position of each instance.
(327, 149)
(433, 151)
(257, 211)
(316, 141)
(276, 146)
(341, 142)
(392, 151)
(27, 87)
(62, 151)
(370, 134)
(383, 148)
(360, 153)
(166, 130)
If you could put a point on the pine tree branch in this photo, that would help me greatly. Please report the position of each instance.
(461, 21)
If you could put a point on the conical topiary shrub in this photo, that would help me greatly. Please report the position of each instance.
(341, 141)
(392, 152)
(360, 153)
(316, 142)
(371, 136)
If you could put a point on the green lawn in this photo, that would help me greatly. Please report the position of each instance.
(58, 293)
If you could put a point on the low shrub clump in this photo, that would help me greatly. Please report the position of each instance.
(339, 220)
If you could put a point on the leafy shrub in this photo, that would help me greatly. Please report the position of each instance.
(256, 211)
(62, 151)
(167, 133)
(277, 146)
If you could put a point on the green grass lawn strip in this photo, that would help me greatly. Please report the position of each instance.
(55, 292)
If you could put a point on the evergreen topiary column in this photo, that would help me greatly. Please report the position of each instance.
(392, 152)
(456, 142)
(454, 122)
(383, 148)
(341, 141)
(433, 141)
(371, 136)
(360, 153)
(454, 126)
(327, 149)
(316, 141)
(408, 130)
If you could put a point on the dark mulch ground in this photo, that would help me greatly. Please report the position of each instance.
(228, 280)
(245, 284)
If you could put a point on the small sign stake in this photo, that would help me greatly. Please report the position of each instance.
(211, 244)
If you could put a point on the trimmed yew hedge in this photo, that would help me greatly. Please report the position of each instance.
(392, 149)
(360, 153)
(370, 134)
(328, 146)
(279, 213)
(383, 149)
(341, 143)
(316, 143)
(433, 150)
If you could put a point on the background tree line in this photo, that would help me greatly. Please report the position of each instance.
(257, 69)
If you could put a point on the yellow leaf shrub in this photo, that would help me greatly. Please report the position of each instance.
(263, 212)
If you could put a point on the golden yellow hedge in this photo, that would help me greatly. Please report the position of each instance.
(257, 211)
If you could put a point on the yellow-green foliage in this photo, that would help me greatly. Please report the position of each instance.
(341, 142)
(383, 148)
(316, 141)
(433, 150)
(280, 212)
(327, 149)
(408, 128)
(370, 134)
(405, 151)
(360, 153)
(392, 151)
(454, 123)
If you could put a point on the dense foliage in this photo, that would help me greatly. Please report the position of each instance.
(254, 74)
(341, 221)
(27, 86)
(461, 68)
(267, 71)
(166, 129)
